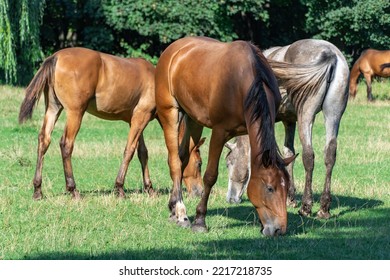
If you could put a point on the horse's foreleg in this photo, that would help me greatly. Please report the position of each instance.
(138, 122)
(72, 127)
(217, 141)
(289, 128)
(169, 119)
(44, 140)
(143, 158)
(369, 88)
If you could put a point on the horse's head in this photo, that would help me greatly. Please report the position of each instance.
(267, 190)
(192, 175)
(238, 165)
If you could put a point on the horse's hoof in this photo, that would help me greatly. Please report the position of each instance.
(173, 218)
(323, 215)
(120, 193)
(150, 191)
(292, 203)
(304, 213)
(76, 195)
(199, 228)
(37, 196)
(184, 223)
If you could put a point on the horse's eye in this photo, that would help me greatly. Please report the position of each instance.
(270, 189)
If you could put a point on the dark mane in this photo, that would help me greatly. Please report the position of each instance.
(257, 104)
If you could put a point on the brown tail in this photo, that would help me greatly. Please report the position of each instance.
(385, 65)
(44, 78)
(301, 80)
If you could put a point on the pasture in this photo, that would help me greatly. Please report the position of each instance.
(101, 226)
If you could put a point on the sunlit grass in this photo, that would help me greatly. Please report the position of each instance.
(101, 226)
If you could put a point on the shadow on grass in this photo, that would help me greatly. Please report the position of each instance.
(365, 236)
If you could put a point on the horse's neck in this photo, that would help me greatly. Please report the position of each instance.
(354, 75)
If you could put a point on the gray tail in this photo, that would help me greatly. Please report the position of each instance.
(303, 80)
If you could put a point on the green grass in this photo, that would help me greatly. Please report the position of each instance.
(100, 226)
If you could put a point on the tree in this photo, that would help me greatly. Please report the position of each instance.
(69, 23)
(19, 39)
(146, 27)
(351, 25)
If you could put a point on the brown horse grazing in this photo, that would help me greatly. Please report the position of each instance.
(315, 75)
(109, 87)
(230, 88)
(370, 63)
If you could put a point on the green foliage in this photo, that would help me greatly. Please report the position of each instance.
(76, 23)
(149, 26)
(352, 25)
(20, 48)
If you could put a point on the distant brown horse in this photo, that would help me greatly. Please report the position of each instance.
(230, 88)
(109, 87)
(371, 63)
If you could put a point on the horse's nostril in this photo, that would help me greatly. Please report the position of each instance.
(278, 232)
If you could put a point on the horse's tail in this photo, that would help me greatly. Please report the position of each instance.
(301, 81)
(257, 104)
(385, 65)
(42, 80)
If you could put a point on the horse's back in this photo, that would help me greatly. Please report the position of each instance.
(124, 84)
(203, 73)
(107, 86)
(370, 62)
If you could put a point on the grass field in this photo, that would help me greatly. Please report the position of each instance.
(100, 226)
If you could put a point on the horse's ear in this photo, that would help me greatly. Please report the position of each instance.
(201, 142)
(230, 146)
(289, 160)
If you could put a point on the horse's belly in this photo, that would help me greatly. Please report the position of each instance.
(111, 107)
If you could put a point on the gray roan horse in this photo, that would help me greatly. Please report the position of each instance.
(321, 86)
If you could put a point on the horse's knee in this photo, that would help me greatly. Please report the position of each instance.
(210, 179)
(66, 148)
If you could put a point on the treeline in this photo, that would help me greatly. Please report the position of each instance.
(30, 30)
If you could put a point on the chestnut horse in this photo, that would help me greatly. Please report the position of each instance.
(230, 88)
(109, 87)
(318, 83)
(371, 63)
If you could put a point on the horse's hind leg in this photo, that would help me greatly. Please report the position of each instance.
(52, 113)
(143, 158)
(289, 151)
(333, 109)
(72, 126)
(305, 124)
(138, 122)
